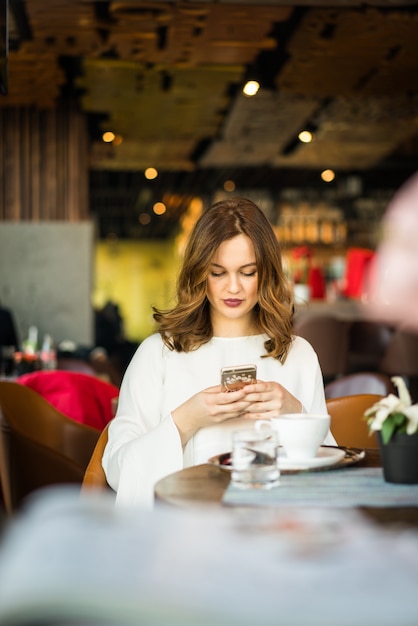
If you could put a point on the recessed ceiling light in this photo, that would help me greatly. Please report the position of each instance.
(251, 87)
(151, 173)
(108, 136)
(328, 176)
(305, 136)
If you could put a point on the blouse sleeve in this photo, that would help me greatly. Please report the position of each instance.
(313, 384)
(143, 445)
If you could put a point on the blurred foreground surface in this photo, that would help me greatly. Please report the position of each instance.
(79, 561)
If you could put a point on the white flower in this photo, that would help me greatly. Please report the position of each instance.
(403, 392)
(391, 405)
(412, 415)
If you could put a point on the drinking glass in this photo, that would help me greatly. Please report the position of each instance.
(255, 458)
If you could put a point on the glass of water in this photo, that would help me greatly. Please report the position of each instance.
(255, 458)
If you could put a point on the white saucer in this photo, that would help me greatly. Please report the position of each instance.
(325, 456)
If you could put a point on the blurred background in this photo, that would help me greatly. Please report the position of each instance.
(121, 121)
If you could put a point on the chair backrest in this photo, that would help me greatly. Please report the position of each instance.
(360, 382)
(367, 343)
(85, 398)
(98, 365)
(328, 335)
(347, 420)
(94, 476)
(39, 446)
(401, 356)
(75, 365)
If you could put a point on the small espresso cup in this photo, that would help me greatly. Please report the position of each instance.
(255, 458)
(301, 434)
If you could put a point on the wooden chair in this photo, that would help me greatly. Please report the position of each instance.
(347, 422)
(347, 425)
(94, 476)
(39, 445)
(360, 382)
(86, 399)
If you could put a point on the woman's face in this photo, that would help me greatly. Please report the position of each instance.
(232, 286)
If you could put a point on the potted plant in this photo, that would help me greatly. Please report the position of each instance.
(395, 419)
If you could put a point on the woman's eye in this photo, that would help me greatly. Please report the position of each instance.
(245, 274)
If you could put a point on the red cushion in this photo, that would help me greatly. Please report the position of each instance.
(82, 397)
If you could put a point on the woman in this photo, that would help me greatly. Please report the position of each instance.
(234, 307)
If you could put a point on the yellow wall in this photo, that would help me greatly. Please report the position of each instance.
(136, 276)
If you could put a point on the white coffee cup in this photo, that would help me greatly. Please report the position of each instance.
(301, 434)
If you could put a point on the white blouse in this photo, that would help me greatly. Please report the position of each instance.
(144, 443)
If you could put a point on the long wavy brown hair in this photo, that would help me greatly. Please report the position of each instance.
(188, 325)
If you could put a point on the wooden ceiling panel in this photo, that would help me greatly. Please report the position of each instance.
(349, 132)
(232, 34)
(65, 27)
(190, 108)
(166, 76)
(257, 129)
(134, 155)
(35, 79)
(352, 53)
(331, 154)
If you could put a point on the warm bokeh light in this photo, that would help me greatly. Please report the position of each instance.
(144, 219)
(117, 140)
(229, 185)
(328, 176)
(251, 87)
(108, 136)
(188, 220)
(159, 208)
(151, 173)
(305, 136)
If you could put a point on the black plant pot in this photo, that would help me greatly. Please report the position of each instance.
(400, 458)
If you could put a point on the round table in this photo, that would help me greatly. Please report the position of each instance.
(206, 484)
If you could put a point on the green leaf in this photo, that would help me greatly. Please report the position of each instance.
(388, 428)
(395, 422)
(399, 419)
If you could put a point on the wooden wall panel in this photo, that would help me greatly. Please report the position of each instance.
(43, 165)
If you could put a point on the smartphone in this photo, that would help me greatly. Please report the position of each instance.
(235, 377)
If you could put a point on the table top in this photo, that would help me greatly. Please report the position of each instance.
(216, 565)
(206, 484)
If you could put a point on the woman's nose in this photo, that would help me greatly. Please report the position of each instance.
(234, 283)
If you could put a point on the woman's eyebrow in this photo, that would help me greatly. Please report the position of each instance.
(241, 266)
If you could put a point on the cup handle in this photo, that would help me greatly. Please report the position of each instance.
(260, 423)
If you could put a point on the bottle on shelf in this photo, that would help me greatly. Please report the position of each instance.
(48, 354)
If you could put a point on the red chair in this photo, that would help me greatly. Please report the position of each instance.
(85, 399)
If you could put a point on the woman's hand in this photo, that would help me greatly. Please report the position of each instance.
(269, 399)
(208, 407)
